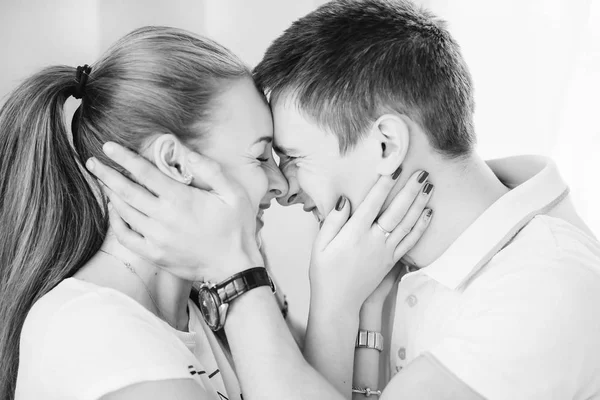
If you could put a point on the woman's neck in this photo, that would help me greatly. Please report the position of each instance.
(160, 292)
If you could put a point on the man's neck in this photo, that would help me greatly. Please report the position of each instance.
(463, 191)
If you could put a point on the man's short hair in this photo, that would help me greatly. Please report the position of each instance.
(349, 61)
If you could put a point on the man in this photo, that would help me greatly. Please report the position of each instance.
(504, 295)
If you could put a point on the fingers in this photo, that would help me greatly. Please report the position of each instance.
(334, 222)
(415, 234)
(142, 170)
(371, 206)
(135, 219)
(130, 192)
(413, 214)
(128, 238)
(397, 210)
(208, 175)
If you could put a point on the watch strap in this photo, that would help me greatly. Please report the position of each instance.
(242, 282)
(369, 340)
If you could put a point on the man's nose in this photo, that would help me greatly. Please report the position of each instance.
(294, 192)
(278, 184)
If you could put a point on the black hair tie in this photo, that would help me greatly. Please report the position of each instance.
(81, 78)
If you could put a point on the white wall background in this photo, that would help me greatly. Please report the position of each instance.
(535, 63)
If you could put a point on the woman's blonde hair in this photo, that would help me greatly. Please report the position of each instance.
(155, 80)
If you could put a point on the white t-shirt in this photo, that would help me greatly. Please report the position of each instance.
(83, 341)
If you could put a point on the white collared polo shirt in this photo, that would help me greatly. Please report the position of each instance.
(512, 308)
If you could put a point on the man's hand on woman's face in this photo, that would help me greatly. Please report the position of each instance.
(352, 255)
(195, 234)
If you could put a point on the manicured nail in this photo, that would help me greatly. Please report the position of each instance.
(194, 158)
(427, 188)
(340, 203)
(89, 164)
(422, 176)
(428, 214)
(110, 206)
(109, 148)
(396, 173)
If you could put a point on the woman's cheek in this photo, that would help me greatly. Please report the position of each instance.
(257, 186)
(251, 181)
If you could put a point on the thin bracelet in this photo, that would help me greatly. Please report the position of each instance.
(369, 340)
(366, 391)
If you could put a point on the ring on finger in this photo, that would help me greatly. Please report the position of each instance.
(385, 232)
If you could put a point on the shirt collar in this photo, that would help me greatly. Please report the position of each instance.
(536, 187)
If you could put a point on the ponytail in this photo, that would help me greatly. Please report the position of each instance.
(51, 222)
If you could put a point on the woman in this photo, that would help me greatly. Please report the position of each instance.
(157, 91)
(83, 317)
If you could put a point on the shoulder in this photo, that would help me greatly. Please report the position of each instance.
(526, 317)
(548, 255)
(91, 341)
(547, 277)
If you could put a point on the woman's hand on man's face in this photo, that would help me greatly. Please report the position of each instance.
(196, 234)
(352, 256)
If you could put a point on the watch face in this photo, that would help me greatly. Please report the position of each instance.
(209, 307)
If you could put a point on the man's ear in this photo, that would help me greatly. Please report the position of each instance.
(169, 156)
(393, 135)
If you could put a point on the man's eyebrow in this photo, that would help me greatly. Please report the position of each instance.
(267, 139)
(282, 150)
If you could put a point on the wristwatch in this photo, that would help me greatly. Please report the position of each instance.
(214, 299)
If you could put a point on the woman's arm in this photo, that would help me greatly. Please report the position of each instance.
(329, 345)
(366, 361)
(268, 362)
(342, 248)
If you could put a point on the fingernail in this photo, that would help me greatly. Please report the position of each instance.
(422, 176)
(427, 188)
(90, 164)
(396, 173)
(194, 157)
(428, 214)
(108, 148)
(340, 203)
(110, 206)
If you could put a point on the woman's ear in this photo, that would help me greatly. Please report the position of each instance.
(169, 156)
(393, 135)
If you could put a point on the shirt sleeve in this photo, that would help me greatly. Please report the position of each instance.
(530, 335)
(95, 345)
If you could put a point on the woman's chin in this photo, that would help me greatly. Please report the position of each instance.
(259, 226)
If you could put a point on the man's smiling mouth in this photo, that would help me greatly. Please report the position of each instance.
(317, 215)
